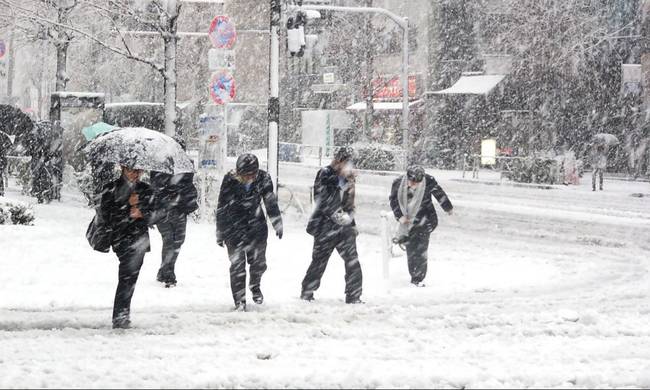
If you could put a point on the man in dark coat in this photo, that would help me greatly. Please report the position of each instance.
(412, 204)
(241, 225)
(176, 198)
(333, 227)
(126, 207)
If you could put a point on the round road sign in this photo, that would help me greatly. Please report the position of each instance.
(222, 32)
(222, 87)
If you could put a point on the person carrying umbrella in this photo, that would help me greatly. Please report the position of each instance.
(242, 228)
(126, 207)
(333, 227)
(127, 204)
(411, 201)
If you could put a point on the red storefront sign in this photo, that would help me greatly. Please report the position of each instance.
(386, 89)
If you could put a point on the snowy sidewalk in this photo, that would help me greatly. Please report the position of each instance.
(527, 288)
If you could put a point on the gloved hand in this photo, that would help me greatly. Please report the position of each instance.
(450, 212)
(342, 218)
(220, 243)
(279, 232)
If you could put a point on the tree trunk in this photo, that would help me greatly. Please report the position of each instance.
(169, 75)
(61, 66)
(170, 86)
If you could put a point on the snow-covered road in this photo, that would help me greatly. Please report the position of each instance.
(527, 288)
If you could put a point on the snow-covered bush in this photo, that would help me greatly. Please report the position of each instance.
(15, 213)
(534, 171)
(375, 157)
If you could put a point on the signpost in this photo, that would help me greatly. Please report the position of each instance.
(213, 133)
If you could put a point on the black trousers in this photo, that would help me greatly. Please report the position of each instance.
(131, 258)
(251, 251)
(172, 229)
(416, 254)
(345, 242)
(598, 173)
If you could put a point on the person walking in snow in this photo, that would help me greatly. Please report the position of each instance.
(599, 164)
(333, 227)
(176, 198)
(242, 227)
(126, 207)
(411, 201)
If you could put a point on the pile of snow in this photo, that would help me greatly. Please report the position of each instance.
(15, 213)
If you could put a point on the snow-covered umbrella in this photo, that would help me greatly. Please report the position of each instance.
(606, 139)
(140, 148)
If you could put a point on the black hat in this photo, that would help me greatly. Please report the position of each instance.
(344, 153)
(247, 164)
(415, 173)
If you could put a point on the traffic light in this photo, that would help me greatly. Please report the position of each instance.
(296, 34)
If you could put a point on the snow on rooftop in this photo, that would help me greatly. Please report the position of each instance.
(361, 106)
(65, 94)
(472, 85)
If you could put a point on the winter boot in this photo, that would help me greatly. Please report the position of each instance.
(354, 301)
(240, 306)
(418, 284)
(122, 321)
(309, 297)
(258, 297)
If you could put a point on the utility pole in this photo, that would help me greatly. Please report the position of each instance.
(274, 93)
(368, 116)
(645, 55)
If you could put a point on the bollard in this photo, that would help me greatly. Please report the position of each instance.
(386, 244)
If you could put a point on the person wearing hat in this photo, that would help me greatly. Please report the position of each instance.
(333, 227)
(242, 228)
(411, 201)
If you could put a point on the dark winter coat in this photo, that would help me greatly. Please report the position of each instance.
(328, 199)
(115, 210)
(175, 193)
(239, 211)
(426, 220)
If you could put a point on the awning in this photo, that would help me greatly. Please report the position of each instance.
(472, 85)
(379, 106)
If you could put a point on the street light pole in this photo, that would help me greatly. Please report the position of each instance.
(403, 24)
(274, 93)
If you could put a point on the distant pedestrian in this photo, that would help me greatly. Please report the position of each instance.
(242, 226)
(126, 207)
(599, 165)
(333, 227)
(411, 201)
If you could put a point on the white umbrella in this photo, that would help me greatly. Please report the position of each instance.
(606, 138)
(140, 148)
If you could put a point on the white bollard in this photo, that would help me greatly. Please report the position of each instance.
(386, 246)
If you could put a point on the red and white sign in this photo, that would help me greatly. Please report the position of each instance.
(222, 87)
(222, 32)
(391, 88)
